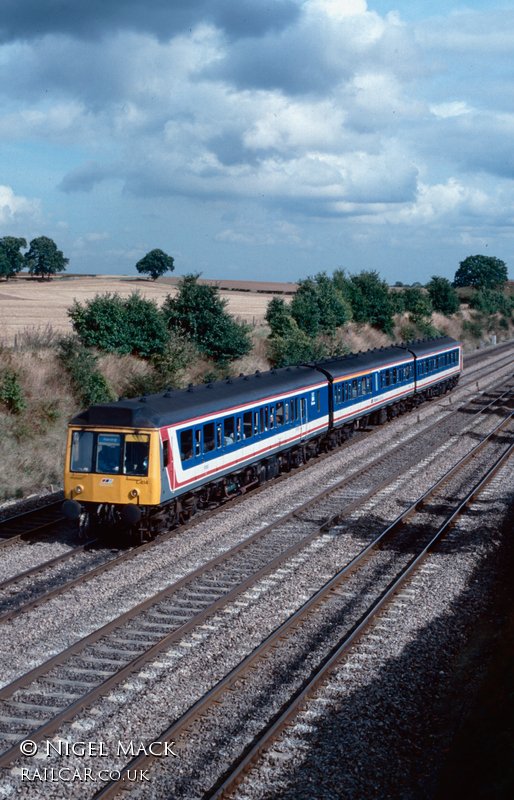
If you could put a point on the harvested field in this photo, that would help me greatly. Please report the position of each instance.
(26, 304)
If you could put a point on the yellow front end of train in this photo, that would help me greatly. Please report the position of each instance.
(113, 468)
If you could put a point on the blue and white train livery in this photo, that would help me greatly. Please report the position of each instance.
(148, 462)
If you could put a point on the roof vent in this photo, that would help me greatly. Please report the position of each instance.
(143, 399)
(241, 374)
(167, 394)
(120, 398)
(169, 389)
(210, 385)
(288, 369)
(257, 373)
(273, 371)
(190, 387)
(229, 380)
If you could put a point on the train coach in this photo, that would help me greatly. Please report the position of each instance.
(150, 462)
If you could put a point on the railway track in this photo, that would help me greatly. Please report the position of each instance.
(74, 679)
(30, 523)
(21, 592)
(328, 625)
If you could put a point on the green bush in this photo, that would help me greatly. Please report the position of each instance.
(488, 301)
(318, 306)
(408, 333)
(444, 298)
(10, 392)
(418, 304)
(114, 325)
(472, 328)
(90, 386)
(278, 316)
(369, 297)
(198, 311)
(295, 348)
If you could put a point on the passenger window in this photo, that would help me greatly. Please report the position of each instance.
(304, 409)
(265, 418)
(198, 442)
(271, 417)
(108, 453)
(208, 438)
(186, 445)
(317, 401)
(262, 422)
(296, 415)
(256, 422)
(247, 425)
(218, 435)
(287, 412)
(238, 429)
(280, 414)
(228, 433)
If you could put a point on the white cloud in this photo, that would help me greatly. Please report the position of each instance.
(17, 210)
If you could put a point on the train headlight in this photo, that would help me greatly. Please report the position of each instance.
(134, 492)
(79, 489)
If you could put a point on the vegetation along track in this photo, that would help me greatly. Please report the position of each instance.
(43, 581)
(40, 702)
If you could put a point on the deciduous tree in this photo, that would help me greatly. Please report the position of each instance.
(443, 296)
(481, 272)
(155, 264)
(11, 260)
(44, 258)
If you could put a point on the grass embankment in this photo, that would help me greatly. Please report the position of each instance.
(32, 442)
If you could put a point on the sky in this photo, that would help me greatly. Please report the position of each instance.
(260, 139)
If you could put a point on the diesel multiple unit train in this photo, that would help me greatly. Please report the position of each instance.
(145, 463)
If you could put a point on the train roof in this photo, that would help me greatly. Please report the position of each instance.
(362, 362)
(180, 405)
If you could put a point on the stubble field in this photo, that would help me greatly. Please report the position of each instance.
(36, 304)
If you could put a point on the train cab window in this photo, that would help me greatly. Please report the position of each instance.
(229, 435)
(280, 414)
(247, 425)
(82, 451)
(198, 442)
(219, 440)
(137, 448)
(186, 445)
(108, 452)
(209, 443)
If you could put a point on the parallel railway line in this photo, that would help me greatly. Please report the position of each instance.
(28, 595)
(149, 629)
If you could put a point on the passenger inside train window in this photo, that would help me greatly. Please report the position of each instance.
(238, 429)
(229, 436)
(280, 414)
(186, 445)
(271, 418)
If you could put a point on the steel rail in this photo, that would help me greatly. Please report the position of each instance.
(71, 711)
(114, 562)
(18, 518)
(271, 732)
